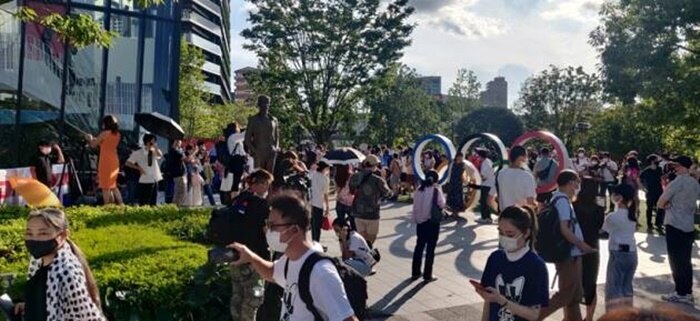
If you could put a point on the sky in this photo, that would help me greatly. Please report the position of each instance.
(510, 38)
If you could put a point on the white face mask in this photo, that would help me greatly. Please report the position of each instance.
(46, 150)
(273, 240)
(594, 163)
(509, 244)
(580, 155)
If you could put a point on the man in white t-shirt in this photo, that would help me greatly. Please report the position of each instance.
(516, 186)
(145, 160)
(286, 232)
(609, 170)
(488, 186)
(320, 187)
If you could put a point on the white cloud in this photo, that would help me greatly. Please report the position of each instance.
(576, 10)
(457, 18)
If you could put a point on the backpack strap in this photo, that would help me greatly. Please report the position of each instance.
(304, 281)
(553, 203)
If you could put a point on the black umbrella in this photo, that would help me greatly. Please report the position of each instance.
(160, 125)
(343, 156)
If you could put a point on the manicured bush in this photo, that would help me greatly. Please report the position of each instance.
(149, 262)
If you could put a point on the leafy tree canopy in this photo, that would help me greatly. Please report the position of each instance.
(501, 122)
(317, 56)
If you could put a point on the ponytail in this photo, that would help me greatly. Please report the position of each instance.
(90, 282)
(431, 177)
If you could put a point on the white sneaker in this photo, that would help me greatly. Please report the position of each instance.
(676, 298)
(484, 221)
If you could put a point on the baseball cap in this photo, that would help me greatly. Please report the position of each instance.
(684, 161)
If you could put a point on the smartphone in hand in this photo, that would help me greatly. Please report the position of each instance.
(477, 285)
(223, 255)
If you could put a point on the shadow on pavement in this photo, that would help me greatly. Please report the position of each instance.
(385, 306)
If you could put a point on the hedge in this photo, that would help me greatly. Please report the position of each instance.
(149, 262)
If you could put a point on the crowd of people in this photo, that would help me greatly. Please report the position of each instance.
(279, 196)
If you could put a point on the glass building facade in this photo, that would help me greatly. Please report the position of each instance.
(52, 91)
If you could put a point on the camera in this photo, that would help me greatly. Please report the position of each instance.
(222, 255)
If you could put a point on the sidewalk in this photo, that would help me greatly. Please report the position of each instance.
(461, 254)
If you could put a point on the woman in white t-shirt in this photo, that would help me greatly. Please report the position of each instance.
(621, 225)
(356, 253)
(145, 160)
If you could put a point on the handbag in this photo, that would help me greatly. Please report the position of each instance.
(435, 211)
(326, 224)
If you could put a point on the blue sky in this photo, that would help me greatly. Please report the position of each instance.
(511, 38)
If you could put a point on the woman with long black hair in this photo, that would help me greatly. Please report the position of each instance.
(428, 195)
(60, 285)
(621, 225)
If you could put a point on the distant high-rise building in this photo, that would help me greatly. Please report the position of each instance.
(496, 94)
(243, 91)
(206, 25)
(432, 85)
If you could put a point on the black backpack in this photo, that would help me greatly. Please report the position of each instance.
(551, 244)
(226, 224)
(355, 285)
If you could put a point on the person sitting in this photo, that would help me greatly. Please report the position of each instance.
(356, 253)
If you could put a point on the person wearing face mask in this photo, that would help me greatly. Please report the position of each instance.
(176, 170)
(44, 159)
(680, 202)
(569, 270)
(621, 225)
(608, 170)
(61, 285)
(145, 160)
(515, 280)
(286, 231)
(581, 162)
(250, 231)
(650, 181)
(355, 251)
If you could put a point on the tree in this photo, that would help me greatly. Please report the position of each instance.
(463, 96)
(193, 97)
(558, 98)
(619, 129)
(498, 121)
(400, 111)
(318, 56)
(650, 53)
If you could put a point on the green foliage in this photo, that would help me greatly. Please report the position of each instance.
(148, 261)
(619, 129)
(193, 97)
(498, 121)
(558, 98)
(399, 110)
(79, 30)
(316, 57)
(650, 53)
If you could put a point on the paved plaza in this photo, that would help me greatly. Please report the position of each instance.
(461, 254)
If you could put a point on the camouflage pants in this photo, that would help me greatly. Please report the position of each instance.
(244, 303)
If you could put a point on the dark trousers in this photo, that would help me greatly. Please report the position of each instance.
(225, 197)
(590, 264)
(679, 245)
(210, 193)
(428, 233)
(607, 187)
(343, 212)
(484, 202)
(147, 194)
(652, 199)
(169, 190)
(131, 192)
(316, 220)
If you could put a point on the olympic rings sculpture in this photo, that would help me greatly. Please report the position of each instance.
(418, 151)
(502, 151)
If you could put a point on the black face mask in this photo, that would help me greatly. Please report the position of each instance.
(39, 249)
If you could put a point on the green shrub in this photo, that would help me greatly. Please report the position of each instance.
(149, 262)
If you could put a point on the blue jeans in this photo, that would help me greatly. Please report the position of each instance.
(343, 212)
(131, 194)
(621, 268)
(210, 194)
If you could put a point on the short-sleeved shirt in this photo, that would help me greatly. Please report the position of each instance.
(320, 186)
(682, 195)
(651, 179)
(325, 286)
(358, 245)
(551, 174)
(621, 230)
(566, 213)
(487, 174)
(42, 169)
(175, 165)
(152, 172)
(515, 186)
(609, 170)
(524, 282)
